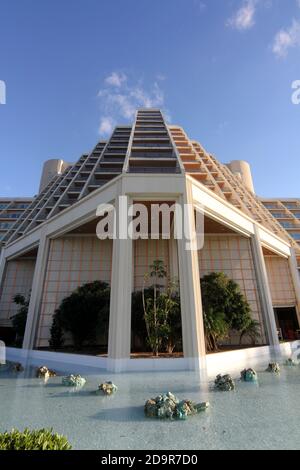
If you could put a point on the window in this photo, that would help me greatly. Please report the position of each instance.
(5, 225)
(12, 215)
(287, 224)
(296, 236)
(279, 215)
(20, 205)
(291, 206)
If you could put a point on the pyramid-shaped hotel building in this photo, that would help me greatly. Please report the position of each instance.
(50, 247)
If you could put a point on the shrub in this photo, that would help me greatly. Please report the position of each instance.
(216, 328)
(84, 313)
(56, 334)
(225, 308)
(251, 331)
(42, 439)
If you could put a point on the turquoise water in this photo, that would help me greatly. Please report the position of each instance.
(264, 416)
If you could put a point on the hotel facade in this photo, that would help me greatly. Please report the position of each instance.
(52, 247)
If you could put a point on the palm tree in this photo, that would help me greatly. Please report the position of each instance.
(252, 331)
(216, 328)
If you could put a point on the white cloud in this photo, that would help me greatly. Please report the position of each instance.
(116, 79)
(200, 5)
(285, 39)
(2, 92)
(106, 126)
(154, 99)
(120, 98)
(161, 77)
(244, 18)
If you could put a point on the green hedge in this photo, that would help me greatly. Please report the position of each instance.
(41, 439)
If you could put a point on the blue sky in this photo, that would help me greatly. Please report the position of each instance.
(222, 69)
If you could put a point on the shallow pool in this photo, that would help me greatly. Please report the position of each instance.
(264, 416)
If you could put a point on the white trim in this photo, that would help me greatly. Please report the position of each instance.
(231, 362)
(219, 210)
(225, 213)
(269, 241)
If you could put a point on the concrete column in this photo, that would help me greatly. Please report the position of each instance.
(36, 293)
(173, 259)
(119, 339)
(2, 277)
(264, 292)
(2, 265)
(296, 278)
(190, 294)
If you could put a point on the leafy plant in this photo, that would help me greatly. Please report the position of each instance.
(216, 328)
(252, 331)
(161, 309)
(42, 439)
(174, 339)
(84, 313)
(19, 320)
(225, 308)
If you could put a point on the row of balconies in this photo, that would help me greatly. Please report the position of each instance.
(8, 216)
(154, 170)
(151, 128)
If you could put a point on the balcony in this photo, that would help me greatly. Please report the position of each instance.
(112, 159)
(105, 174)
(6, 225)
(63, 206)
(296, 236)
(117, 146)
(141, 121)
(150, 128)
(121, 132)
(288, 225)
(73, 194)
(163, 162)
(18, 207)
(150, 139)
(152, 148)
(152, 153)
(280, 215)
(155, 170)
(10, 216)
(111, 165)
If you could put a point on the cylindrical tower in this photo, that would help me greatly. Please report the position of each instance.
(52, 168)
(243, 170)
